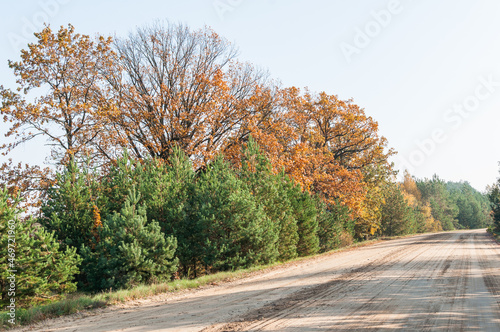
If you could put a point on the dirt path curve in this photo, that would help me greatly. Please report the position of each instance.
(444, 282)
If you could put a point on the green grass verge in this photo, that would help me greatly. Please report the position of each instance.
(77, 302)
(69, 305)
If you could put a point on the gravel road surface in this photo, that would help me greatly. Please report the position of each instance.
(440, 282)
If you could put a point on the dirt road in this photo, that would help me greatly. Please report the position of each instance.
(446, 281)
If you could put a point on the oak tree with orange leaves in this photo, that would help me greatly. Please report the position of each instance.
(178, 87)
(60, 92)
(333, 148)
(27, 182)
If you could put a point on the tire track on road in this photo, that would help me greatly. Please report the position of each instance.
(345, 284)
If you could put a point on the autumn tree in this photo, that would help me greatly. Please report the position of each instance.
(410, 189)
(60, 93)
(342, 128)
(431, 224)
(422, 208)
(29, 182)
(331, 147)
(178, 87)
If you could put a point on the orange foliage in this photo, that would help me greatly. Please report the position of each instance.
(409, 187)
(96, 216)
(170, 86)
(325, 144)
(413, 197)
(67, 65)
(29, 182)
(176, 87)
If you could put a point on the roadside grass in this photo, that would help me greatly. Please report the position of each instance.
(70, 305)
(78, 302)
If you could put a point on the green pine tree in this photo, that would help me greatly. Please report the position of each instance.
(443, 207)
(128, 250)
(397, 216)
(68, 211)
(171, 204)
(230, 230)
(304, 210)
(333, 221)
(121, 177)
(42, 270)
(165, 190)
(473, 207)
(271, 192)
(494, 196)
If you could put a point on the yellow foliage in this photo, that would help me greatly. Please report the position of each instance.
(410, 187)
(431, 224)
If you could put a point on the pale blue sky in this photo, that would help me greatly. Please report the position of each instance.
(408, 72)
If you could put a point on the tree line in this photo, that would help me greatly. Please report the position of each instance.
(174, 159)
(166, 87)
(494, 196)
